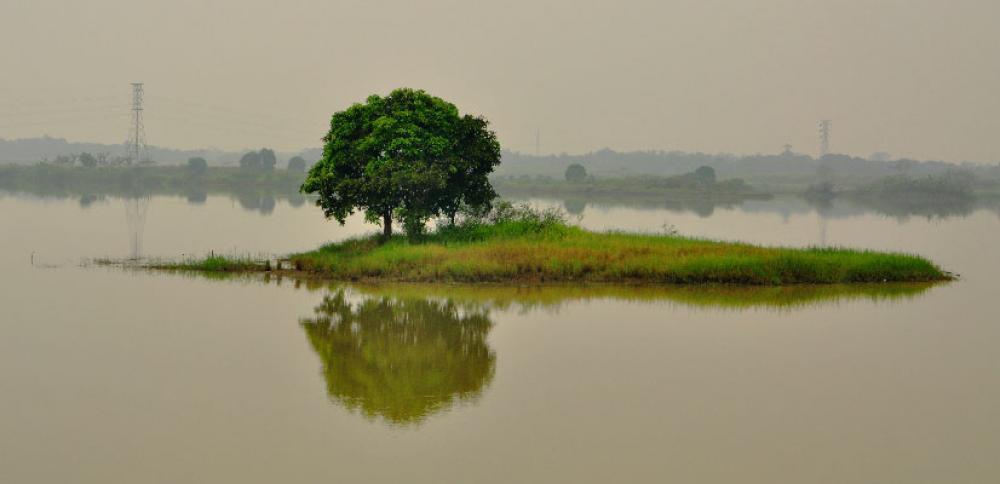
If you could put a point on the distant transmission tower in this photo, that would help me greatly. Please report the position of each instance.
(825, 128)
(136, 151)
(538, 142)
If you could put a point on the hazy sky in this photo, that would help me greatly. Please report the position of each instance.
(914, 78)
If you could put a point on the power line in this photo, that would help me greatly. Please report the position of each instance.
(221, 122)
(47, 112)
(63, 102)
(227, 109)
(74, 119)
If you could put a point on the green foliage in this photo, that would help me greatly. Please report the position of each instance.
(701, 183)
(250, 161)
(263, 160)
(705, 174)
(87, 160)
(215, 263)
(953, 184)
(820, 191)
(401, 359)
(408, 156)
(197, 165)
(267, 159)
(576, 173)
(297, 164)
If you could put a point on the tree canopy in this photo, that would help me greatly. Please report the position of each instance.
(407, 156)
(297, 164)
(264, 159)
(705, 174)
(88, 160)
(197, 165)
(250, 160)
(267, 159)
(576, 173)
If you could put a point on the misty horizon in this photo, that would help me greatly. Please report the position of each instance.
(914, 79)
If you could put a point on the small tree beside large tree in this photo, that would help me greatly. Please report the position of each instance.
(408, 156)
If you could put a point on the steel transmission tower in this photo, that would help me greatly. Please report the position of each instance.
(136, 151)
(825, 128)
(538, 142)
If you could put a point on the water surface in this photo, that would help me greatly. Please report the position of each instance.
(112, 376)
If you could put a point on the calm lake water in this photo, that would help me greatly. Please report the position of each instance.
(116, 376)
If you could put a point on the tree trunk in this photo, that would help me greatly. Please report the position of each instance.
(387, 225)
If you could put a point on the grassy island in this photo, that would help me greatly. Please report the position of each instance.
(520, 245)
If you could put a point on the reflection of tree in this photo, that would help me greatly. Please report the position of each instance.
(902, 207)
(296, 200)
(703, 207)
(256, 202)
(575, 206)
(401, 359)
(89, 199)
(196, 197)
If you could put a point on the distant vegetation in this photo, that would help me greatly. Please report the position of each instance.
(254, 189)
(952, 193)
(47, 149)
(298, 164)
(951, 185)
(576, 173)
(197, 165)
(264, 160)
(785, 172)
(700, 183)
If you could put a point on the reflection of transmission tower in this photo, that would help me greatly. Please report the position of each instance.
(136, 151)
(822, 230)
(825, 128)
(135, 218)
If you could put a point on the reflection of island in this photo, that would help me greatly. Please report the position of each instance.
(529, 298)
(703, 207)
(401, 359)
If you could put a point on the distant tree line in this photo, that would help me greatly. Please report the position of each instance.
(266, 160)
(760, 168)
(88, 160)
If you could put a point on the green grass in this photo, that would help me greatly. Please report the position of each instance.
(520, 245)
(214, 263)
(526, 252)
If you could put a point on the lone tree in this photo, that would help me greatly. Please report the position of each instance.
(197, 165)
(705, 174)
(297, 164)
(250, 161)
(576, 173)
(88, 160)
(408, 156)
(267, 159)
